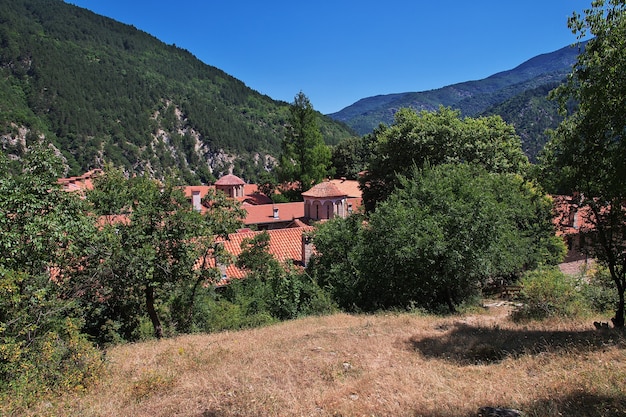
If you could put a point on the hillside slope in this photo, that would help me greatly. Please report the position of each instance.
(102, 91)
(365, 365)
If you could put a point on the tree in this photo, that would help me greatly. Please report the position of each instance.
(336, 263)
(43, 231)
(350, 156)
(440, 235)
(436, 138)
(256, 259)
(586, 154)
(305, 158)
(152, 244)
(279, 289)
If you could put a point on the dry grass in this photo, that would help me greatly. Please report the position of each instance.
(381, 365)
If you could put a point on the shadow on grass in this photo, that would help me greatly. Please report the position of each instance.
(567, 405)
(465, 344)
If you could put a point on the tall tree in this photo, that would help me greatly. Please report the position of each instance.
(587, 153)
(436, 138)
(305, 158)
(152, 244)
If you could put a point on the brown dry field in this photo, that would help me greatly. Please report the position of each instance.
(366, 365)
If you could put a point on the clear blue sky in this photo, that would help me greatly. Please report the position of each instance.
(339, 51)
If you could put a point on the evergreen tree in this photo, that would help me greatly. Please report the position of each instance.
(305, 158)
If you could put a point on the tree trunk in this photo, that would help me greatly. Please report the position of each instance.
(618, 320)
(450, 301)
(156, 323)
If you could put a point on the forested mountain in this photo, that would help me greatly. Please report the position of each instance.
(102, 91)
(532, 113)
(518, 95)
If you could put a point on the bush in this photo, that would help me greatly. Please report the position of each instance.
(599, 291)
(58, 361)
(550, 293)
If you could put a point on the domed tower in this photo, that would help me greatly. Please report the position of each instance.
(324, 201)
(232, 185)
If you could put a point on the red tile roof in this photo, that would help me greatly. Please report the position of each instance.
(264, 214)
(324, 189)
(255, 198)
(285, 245)
(349, 187)
(230, 179)
(570, 217)
(203, 189)
(80, 183)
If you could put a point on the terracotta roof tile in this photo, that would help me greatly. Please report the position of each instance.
(569, 217)
(285, 245)
(349, 187)
(80, 183)
(324, 189)
(263, 214)
(230, 179)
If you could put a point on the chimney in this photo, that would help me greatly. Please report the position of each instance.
(276, 213)
(307, 249)
(196, 201)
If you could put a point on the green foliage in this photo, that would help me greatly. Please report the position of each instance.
(586, 153)
(351, 155)
(41, 347)
(547, 292)
(438, 138)
(336, 263)
(271, 291)
(148, 249)
(43, 231)
(532, 114)
(305, 158)
(439, 236)
(256, 259)
(599, 290)
(102, 90)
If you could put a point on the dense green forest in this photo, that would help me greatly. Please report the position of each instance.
(102, 91)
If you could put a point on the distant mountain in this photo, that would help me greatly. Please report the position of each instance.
(100, 90)
(532, 114)
(497, 94)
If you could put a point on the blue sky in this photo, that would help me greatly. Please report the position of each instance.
(340, 51)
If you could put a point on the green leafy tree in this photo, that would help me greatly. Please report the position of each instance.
(152, 245)
(279, 289)
(587, 152)
(351, 155)
(256, 259)
(43, 231)
(337, 261)
(437, 138)
(445, 231)
(305, 158)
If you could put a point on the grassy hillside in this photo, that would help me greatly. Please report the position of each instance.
(101, 91)
(378, 365)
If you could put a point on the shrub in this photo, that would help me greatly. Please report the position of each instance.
(599, 291)
(550, 293)
(58, 361)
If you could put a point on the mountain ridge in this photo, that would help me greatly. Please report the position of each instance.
(103, 91)
(472, 98)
